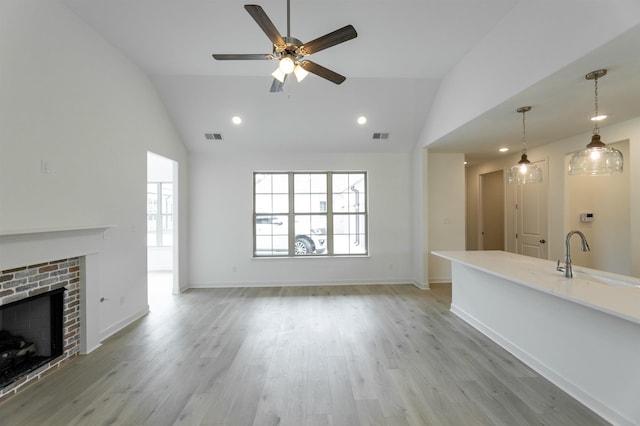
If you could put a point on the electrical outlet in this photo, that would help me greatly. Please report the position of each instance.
(45, 166)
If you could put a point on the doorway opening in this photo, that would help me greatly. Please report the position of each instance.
(492, 211)
(162, 229)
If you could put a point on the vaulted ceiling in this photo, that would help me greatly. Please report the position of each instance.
(394, 69)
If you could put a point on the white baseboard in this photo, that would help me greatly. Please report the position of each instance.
(421, 286)
(91, 349)
(298, 283)
(110, 331)
(439, 280)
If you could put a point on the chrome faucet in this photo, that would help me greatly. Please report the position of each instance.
(568, 270)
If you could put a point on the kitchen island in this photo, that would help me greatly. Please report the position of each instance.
(581, 333)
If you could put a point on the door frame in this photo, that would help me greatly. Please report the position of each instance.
(175, 249)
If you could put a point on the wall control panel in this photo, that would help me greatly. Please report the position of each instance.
(586, 217)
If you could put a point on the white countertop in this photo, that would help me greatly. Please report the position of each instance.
(614, 294)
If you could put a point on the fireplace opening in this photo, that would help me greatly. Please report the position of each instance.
(31, 334)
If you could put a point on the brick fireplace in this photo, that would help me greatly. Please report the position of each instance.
(28, 282)
(34, 263)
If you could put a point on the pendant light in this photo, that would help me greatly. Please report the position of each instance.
(524, 171)
(597, 159)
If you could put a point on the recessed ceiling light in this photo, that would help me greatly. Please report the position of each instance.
(503, 149)
(236, 119)
(599, 117)
(362, 120)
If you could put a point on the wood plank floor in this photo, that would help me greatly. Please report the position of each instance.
(353, 355)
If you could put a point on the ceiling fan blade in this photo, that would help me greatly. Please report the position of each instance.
(263, 21)
(242, 56)
(338, 36)
(323, 72)
(277, 85)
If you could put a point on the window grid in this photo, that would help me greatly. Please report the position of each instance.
(159, 214)
(271, 194)
(311, 214)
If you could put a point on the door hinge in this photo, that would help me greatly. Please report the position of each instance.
(516, 236)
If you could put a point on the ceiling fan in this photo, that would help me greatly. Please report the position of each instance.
(291, 52)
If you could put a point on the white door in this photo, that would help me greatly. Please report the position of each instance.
(531, 217)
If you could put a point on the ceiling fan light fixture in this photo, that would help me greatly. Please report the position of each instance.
(279, 75)
(300, 73)
(286, 65)
(597, 159)
(290, 51)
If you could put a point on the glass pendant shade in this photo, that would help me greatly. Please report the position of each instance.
(596, 160)
(524, 172)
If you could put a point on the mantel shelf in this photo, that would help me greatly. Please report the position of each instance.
(41, 231)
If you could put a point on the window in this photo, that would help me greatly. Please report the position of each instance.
(310, 214)
(159, 214)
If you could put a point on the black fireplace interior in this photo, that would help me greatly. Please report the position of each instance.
(31, 334)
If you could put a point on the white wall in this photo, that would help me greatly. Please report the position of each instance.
(159, 168)
(446, 201)
(607, 197)
(221, 211)
(420, 219)
(560, 216)
(70, 99)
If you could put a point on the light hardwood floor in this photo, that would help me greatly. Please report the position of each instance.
(352, 355)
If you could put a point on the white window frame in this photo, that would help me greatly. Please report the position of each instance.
(358, 212)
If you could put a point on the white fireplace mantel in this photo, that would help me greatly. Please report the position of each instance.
(29, 246)
(20, 248)
(26, 247)
(35, 231)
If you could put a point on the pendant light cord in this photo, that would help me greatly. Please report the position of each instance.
(596, 130)
(524, 135)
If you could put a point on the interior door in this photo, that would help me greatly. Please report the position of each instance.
(492, 193)
(531, 217)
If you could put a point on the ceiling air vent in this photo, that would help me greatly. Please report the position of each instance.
(213, 136)
(381, 136)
